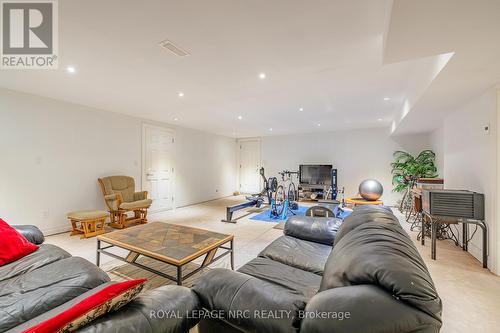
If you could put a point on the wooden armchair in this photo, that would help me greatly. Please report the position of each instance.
(121, 199)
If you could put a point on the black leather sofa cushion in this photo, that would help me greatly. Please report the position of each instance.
(365, 214)
(225, 290)
(305, 255)
(370, 310)
(208, 325)
(45, 255)
(297, 280)
(52, 312)
(31, 233)
(382, 254)
(316, 229)
(145, 315)
(28, 295)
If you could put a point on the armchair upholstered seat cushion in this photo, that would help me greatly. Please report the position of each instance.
(136, 204)
(120, 197)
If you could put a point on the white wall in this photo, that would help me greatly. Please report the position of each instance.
(53, 152)
(468, 158)
(436, 139)
(357, 154)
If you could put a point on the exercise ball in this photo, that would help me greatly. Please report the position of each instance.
(371, 189)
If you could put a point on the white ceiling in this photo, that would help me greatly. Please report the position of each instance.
(336, 59)
(470, 29)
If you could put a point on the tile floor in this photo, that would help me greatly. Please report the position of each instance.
(471, 294)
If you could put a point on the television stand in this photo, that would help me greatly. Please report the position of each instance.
(313, 192)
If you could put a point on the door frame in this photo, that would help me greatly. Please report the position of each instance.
(238, 166)
(143, 161)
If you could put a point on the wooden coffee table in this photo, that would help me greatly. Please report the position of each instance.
(172, 244)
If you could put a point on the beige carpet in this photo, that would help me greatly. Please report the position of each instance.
(126, 271)
(280, 226)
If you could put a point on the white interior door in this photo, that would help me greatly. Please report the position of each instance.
(158, 166)
(249, 165)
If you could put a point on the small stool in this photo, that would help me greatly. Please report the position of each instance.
(89, 223)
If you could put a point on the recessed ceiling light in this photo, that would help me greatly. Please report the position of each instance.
(379, 119)
(319, 125)
(180, 94)
(262, 75)
(301, 109)
(175, 49)
(240, 117)
(71, 69)
(175, 119)
(271, 129)
(387, 99)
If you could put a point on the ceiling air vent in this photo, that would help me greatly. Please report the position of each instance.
(173, 48)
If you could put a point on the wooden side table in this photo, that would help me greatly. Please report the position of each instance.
(88, 223)
(361, 201)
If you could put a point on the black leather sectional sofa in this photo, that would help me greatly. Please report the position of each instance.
(365, 276)
(360, 276)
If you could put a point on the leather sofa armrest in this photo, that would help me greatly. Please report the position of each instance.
(363, 309)
(244, 301)
(31, 233)
(316, 229)
(141, 195)
(168, 309)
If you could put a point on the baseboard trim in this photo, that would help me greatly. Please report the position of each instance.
(56, 230)
(206, 201)
(475, 251)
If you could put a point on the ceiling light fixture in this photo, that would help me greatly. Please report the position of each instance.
(262, 75)
(379, 119)
(175, 49)
(319, 125)
(271, 129)
(175, 119)
(180, 94)
(301, 109)
(71, 69)
(387, 99)
(240, 117)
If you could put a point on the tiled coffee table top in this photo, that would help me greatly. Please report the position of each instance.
(171, 243)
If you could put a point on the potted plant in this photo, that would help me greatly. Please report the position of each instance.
(407, 169)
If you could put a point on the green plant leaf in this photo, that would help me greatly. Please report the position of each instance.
(407, 169)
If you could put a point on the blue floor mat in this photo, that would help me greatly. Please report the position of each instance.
(265, 215)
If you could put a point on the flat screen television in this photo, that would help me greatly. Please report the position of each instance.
(318, 174)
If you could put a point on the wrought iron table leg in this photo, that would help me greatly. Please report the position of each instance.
(232, 254)
(179, 275)
(422, 230)
(465, 236)
(485, 243)
(433, 238)
(98, 254)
